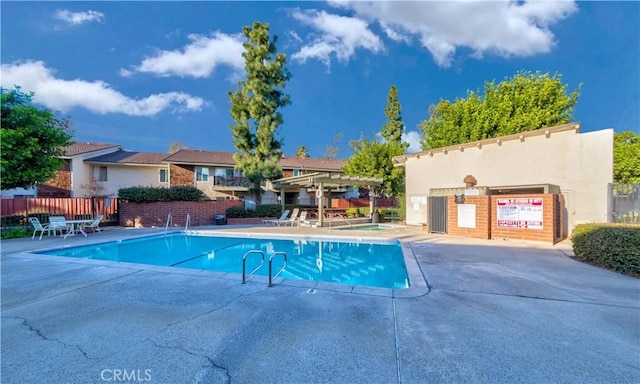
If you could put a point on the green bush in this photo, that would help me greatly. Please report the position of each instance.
(13, 220)
(153, 194)
(15, 232)
(268, 210)
(264, 210)
(615, 246)
(351, 212)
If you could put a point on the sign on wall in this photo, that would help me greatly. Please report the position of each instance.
(520, 213)
(466, 215)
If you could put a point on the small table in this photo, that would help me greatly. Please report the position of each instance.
(76, 226)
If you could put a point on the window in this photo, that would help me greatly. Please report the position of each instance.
(164, 176)
(99, 173)
(296, 172)
(202, 174)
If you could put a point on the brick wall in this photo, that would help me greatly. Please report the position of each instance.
(182, 175)
(483, 217)
(551, 219)
(155, 214)
(60, 185)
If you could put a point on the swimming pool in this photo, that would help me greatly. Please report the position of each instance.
(365, 263)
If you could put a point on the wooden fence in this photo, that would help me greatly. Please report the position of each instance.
(15, 211)
(362, 203)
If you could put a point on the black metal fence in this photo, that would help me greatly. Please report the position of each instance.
(624, 203)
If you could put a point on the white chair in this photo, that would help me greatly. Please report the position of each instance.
(58, 223)
(95, 224)
(302, 220)
(291, 220)
(37, 226)
(284, 215)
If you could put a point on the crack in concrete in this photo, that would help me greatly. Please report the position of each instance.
(537, 298)
(39, 333)
(202, 375)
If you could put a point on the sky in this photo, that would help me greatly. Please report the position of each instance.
(146, 75)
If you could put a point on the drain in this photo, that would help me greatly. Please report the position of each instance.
(311, 291)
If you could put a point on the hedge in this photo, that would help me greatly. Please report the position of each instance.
(263, 210)
(615, 246)
(153, 194)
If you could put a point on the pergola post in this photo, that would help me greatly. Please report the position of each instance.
(320, 198)
(282, 198)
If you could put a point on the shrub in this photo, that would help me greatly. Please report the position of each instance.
(15, 232)
(268, 210)
(13, 220)
(153, 194)
(351, 212)
(238, 212)
(264, 210)
(615, 246)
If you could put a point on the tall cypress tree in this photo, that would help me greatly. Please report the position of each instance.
(255, 108)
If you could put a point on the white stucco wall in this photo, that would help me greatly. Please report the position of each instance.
(81, 172)
(124, 177)
(581, 164)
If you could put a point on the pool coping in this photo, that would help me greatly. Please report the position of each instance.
(417, 280)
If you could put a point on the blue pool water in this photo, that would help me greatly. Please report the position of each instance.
(353, 263)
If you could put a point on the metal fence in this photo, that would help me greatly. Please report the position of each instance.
(624, 203)
(16, 211)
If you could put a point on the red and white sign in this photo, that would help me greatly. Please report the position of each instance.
(520, 213)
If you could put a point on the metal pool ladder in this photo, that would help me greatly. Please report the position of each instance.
(245, 275)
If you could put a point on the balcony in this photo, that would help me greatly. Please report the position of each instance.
(230, 183)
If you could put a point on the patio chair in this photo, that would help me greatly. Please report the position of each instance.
(291, 220)
(37, 226)
(284, 215)
(302, 220)
(58, 223)
(94, 225)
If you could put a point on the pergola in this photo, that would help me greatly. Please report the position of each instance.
(325, 181)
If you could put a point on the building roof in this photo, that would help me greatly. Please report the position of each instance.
(312, 163)
(193, 156)
(129, 157)
(399, 161)
(80, 148)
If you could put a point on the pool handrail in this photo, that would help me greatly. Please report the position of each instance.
(169, 220)
(244, 264)
(284, 265)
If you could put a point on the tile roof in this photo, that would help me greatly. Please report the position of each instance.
(193, 156)
(311, 163)
(79, 148)
(129, 157)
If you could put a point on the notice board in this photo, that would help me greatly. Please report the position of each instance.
(520, 213)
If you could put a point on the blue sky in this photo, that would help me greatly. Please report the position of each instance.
(148, 74)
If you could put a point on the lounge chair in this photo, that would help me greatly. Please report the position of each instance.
(302, 220)
(284, 215)
(94, 225)
(291, 220)
(37, 226)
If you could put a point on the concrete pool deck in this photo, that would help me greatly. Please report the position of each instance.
(491, 312)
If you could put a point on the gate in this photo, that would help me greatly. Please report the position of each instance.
(437, 214)
(624, 203)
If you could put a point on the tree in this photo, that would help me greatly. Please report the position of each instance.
(626, 157)
(302, 152)
(332, 151)
(175, 147)
(393, 129)
(32, 140)
(255, 108)
(374, 158)
(525, 102)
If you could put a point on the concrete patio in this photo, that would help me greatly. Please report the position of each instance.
(488, 312)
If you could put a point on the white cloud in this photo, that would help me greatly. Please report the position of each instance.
(96, 96)
(413, 138)
(337, 35)
(505, 28)
(77, 18)
(410, 137)
(197, 59)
